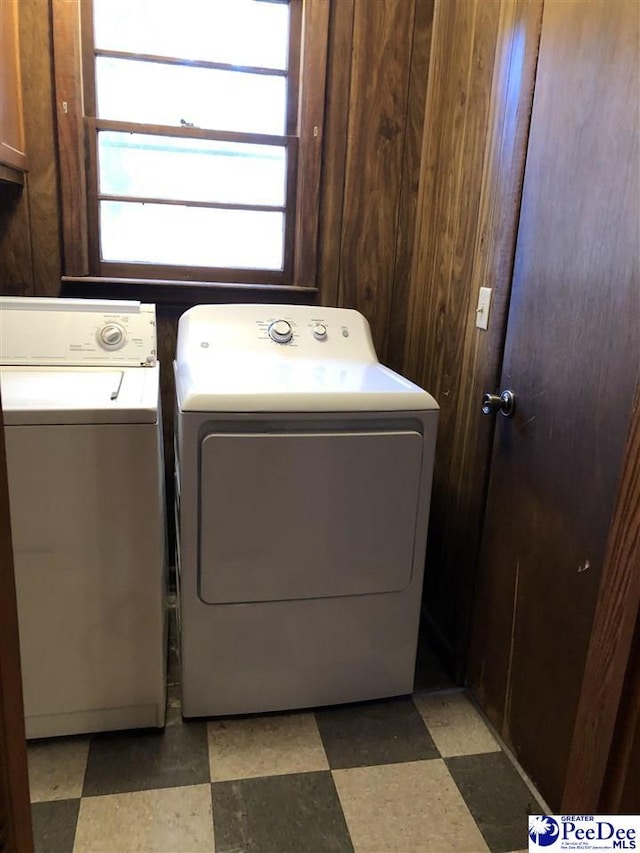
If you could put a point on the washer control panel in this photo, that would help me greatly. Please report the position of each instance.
(77, 331)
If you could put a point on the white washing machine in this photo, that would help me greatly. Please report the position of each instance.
(303, 480)
(80, 395)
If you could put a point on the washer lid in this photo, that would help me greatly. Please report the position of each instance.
(79, 396)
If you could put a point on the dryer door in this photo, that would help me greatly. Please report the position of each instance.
(307, 515)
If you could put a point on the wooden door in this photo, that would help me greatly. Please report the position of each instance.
(571, 357)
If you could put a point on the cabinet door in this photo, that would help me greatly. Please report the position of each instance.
(11, 128)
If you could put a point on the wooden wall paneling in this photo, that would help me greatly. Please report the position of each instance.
(459, 301)
(453, 31)
(69, 113)
(628, 792)
(456, 122)
(515, 61)
(621, 791)
(429, 318)
(16, 266)
(335, 149)
(393, 353)
(15, 810)
(42, 181)
(382, 33)
(314, 67)
(615, 619)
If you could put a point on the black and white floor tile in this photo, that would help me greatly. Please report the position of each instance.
(420, 773)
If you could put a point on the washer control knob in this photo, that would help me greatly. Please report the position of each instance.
(280, 331)
(111, 336)
(320, 331)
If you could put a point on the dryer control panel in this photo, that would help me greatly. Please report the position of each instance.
(288, 331)
(77, 332)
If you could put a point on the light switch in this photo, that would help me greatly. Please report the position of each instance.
(482, 311)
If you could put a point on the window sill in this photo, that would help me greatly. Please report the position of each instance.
(170, 292)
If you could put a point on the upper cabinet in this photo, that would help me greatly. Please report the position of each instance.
(13, 159)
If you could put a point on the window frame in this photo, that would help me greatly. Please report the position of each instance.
(78, 127)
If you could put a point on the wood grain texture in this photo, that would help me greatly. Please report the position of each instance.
(628, 793)
(478, 103)
(571, 355)
(311, 132)
(621, 791)
(494, 248)
(377, 75)
(335, 149)
(42, 187)
(12, 147)
(69, 113)
(614, 622)
(16, 267)
(15, 810)
(455, 125)
(378, 103)
(454, 26)
(393, 352)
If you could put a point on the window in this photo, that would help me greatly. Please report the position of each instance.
(199, 124)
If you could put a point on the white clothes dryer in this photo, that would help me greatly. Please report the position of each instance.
(303, 481)
(80, 396)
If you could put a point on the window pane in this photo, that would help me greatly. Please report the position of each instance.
(238, 32)
(191, 236)
(155, 93)
(152, 166)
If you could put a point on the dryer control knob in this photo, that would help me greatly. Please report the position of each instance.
(280, 331)
(111, 336)
(320, 331)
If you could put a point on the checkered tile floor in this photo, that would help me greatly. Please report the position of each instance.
(420, 773)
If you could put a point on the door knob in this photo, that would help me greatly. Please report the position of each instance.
(505, 403)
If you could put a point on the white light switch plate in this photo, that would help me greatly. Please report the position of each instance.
(482, 311)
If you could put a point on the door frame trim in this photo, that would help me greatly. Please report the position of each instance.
(617, 610)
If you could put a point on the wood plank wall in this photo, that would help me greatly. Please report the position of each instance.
(383, 88)
(621, 792)
(481, 80)
(30, 262)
